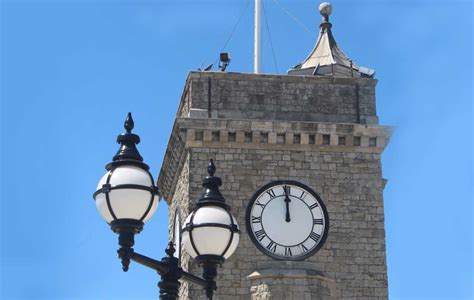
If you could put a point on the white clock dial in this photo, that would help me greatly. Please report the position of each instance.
(287, 220)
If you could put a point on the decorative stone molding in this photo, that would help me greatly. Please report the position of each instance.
(295, 136)
(273, 135)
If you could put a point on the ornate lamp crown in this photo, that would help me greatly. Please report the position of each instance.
(211, 194)
(128, 152)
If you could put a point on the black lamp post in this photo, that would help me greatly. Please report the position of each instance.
(127, 197)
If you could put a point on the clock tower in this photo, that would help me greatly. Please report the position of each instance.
(300, 160)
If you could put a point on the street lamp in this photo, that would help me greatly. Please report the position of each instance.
(127, 198)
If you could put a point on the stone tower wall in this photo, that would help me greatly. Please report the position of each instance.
(340, 161)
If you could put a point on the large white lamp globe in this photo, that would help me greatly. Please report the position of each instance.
(126, 192)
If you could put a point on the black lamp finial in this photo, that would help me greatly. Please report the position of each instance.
(211, 194)
(128, 152)
(129, 124)
(211, 168)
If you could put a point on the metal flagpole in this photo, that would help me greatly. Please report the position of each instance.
(257, 53)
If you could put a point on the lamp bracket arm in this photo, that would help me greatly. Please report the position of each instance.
(195, 279)
(161, 267)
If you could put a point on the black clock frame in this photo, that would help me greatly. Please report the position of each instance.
(263, 249)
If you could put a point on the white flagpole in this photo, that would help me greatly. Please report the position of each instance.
(257, 53)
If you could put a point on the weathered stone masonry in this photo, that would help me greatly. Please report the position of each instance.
(279, 97)
(260, 128)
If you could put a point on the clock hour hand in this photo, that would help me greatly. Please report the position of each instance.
(287, 202)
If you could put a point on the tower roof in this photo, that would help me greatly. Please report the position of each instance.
(326, 58)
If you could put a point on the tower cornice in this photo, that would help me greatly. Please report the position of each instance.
(189, 133)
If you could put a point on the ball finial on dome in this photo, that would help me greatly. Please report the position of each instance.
(325, 8)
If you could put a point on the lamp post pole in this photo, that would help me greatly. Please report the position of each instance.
(127, 197)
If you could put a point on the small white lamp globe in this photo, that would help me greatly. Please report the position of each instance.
(210, 230)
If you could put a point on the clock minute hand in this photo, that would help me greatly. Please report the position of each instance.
(287, 202)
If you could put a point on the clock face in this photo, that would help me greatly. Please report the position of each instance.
(287, 220)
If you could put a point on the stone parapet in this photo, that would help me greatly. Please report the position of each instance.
(279, 97)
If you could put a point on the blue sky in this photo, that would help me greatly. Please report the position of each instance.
(71, 70)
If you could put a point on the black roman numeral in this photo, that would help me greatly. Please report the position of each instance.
(260, 234)
(303, 248)
(303, 194)
(257, 219)
(317, 221)
(288, 251)
(314, 206)
(272, 246)
(260, 204)
(271, 193)
(314, 236)
(287, 190)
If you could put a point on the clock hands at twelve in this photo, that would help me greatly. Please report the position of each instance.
(287, 201)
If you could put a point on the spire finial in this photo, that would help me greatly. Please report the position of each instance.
(211, 168)
(129, 124)
(325, 9)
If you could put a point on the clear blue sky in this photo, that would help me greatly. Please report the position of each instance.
(71, 70)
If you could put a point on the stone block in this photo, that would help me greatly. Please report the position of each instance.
(364, 141)
(207, 135)
(304, 139)
(349, 140)
(272, 137)
(319, 139)
(381, 141)
(256, 137)
(288, 138)
(224, 136)
(190, 135)
(240, 136)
